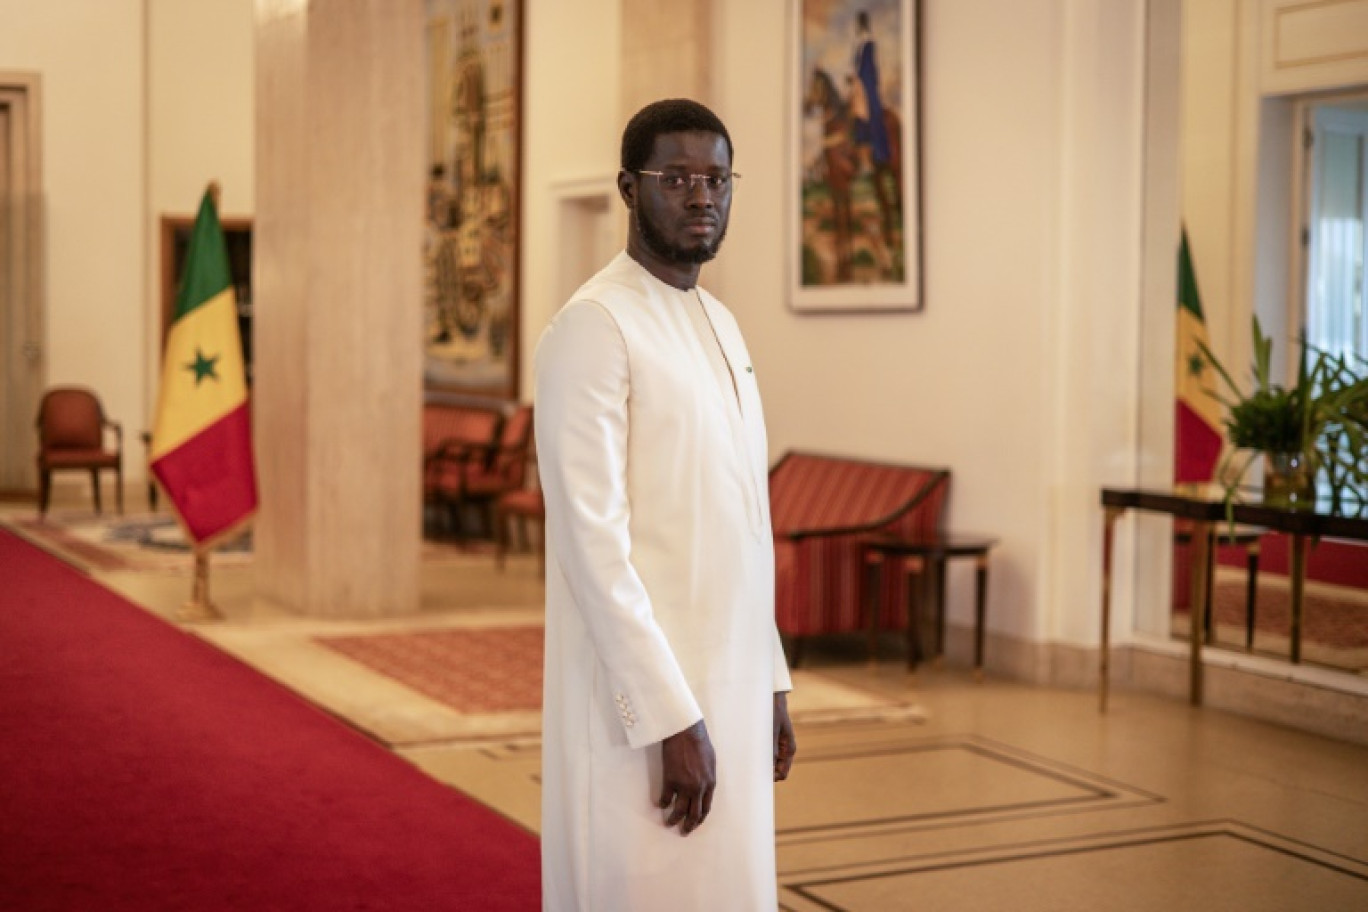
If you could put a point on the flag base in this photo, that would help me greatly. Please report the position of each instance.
(199, 608)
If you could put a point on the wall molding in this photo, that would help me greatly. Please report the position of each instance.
(1313, 45)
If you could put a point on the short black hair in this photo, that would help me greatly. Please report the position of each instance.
(672, 115)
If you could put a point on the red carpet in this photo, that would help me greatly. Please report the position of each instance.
(141, 769)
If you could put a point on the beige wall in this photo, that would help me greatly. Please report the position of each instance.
(143, 102)
(1021, 374)
(90, 57)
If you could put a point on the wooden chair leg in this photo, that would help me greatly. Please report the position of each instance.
(980, 611)
(487, 514)
(1209, 619)
(1251, 594)
(500, 523)
(95, 483)
(44, 490)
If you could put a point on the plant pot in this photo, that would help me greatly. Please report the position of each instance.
(1289, 481)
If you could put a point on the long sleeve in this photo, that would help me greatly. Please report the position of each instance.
(783, 682)
(583, 384)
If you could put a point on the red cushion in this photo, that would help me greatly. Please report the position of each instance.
(525, 502)
(79, 459)
(444, 424)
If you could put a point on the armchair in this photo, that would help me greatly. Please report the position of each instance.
(452, 434)
(479, 474)
(524, 503)
(71, 435)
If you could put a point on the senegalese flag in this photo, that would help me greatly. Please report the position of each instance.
(1197, 433)
(202, 439)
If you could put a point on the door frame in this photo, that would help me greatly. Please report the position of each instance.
(22, 299)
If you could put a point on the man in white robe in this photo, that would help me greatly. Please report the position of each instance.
(665, 695)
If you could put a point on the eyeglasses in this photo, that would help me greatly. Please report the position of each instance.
(683, 184)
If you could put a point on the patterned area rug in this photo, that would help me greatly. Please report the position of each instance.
(1334, 619)
(1328, 619)
(486, 670)
(155, 542)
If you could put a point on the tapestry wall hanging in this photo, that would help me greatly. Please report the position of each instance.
(474, 163)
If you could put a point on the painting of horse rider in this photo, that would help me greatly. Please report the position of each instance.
(856, 207)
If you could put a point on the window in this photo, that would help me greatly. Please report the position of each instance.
(1336, 320)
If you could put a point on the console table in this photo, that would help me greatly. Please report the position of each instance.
(1205, 514)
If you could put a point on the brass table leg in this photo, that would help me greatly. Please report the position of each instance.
(940, 560)
(1200, 554)
(1298, 569)
(918, 597)
(1108, 527)
(1251, 593)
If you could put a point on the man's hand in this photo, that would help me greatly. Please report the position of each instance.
(689, 775)
(785, 744)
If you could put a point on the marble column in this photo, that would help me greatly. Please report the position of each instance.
(667, 52)
(337, 388)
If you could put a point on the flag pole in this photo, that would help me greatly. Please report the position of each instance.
(200, 608)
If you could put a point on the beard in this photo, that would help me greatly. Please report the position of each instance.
(655, 241)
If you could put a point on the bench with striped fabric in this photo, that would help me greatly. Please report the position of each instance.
(821, 508)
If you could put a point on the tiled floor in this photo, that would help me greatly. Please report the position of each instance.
(948, 795)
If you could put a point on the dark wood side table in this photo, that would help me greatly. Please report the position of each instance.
(934, 553)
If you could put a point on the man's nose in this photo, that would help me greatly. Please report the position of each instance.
(697, 193)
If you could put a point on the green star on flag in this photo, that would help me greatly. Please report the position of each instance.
(202, 366)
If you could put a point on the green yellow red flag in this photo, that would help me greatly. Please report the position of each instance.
(1197, 429)
(201, 451)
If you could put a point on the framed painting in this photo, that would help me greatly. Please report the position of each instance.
(474, 172)
(854, 182)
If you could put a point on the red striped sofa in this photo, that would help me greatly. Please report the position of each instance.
(822, 507)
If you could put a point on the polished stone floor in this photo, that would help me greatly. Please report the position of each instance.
(926, 791)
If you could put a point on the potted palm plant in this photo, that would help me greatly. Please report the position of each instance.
(1316, 428)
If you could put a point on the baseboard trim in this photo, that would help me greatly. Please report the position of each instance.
(1319, 701)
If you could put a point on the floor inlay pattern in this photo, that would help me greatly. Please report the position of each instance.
(1203, 866)
(976, 781)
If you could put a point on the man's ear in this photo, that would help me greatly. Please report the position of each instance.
(627, 186)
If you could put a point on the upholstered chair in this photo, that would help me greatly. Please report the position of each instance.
(72, 436)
